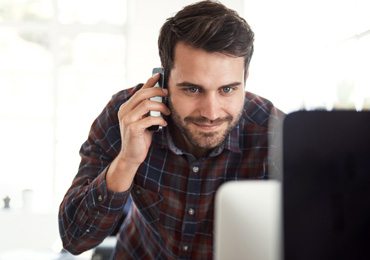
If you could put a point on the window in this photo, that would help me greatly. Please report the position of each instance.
(60, 62)
(311, 55)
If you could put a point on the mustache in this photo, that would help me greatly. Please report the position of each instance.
(202, 120)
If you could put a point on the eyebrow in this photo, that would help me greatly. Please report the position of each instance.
(193, 85)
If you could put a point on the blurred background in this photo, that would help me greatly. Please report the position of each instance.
(62, 60)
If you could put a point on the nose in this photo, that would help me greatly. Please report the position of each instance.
(210, 106)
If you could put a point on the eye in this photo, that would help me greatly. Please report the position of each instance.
(227, 89)
(192, 90)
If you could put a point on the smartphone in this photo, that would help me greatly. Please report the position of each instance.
(159, 84)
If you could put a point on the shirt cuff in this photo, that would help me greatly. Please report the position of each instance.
(105, 200)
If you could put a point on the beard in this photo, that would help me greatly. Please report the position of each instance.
(200, 139)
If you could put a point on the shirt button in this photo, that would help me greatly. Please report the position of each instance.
(191, 211)
(138, 192)
(185, 248)
(100, 198)
(195, 169)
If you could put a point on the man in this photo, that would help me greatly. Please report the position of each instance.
(213, 131)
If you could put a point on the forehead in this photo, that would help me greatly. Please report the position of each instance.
(196, 65)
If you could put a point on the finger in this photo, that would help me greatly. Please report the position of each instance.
(149, 121)
(142, 111)
(143, 95)
(151, 105)
(151, 81)
(138, 128)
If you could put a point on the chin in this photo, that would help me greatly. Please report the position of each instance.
(207, 141)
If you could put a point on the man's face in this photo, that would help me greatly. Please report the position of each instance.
(206, 97)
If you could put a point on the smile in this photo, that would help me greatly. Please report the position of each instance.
(207, 127)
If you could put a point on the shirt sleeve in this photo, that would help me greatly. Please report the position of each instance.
(275, 168)
(262, 112)
(89, 211)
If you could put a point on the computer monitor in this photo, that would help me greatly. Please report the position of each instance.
(326, 185)
(247, 220)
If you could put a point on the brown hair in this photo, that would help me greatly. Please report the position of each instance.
(207, 25)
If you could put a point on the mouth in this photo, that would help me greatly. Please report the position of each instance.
(208, 127)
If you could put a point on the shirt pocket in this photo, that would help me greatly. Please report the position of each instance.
(148, 203)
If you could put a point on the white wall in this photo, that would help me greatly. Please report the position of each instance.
(303, 51)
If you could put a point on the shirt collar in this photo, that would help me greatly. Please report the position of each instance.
(232, 140)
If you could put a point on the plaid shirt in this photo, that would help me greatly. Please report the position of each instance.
(173, 192)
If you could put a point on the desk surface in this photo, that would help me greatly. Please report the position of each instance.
(25, 229)
(34, 254)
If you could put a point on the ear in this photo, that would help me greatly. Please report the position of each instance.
(246, 75)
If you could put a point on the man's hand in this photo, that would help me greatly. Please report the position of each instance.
(136, 138)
